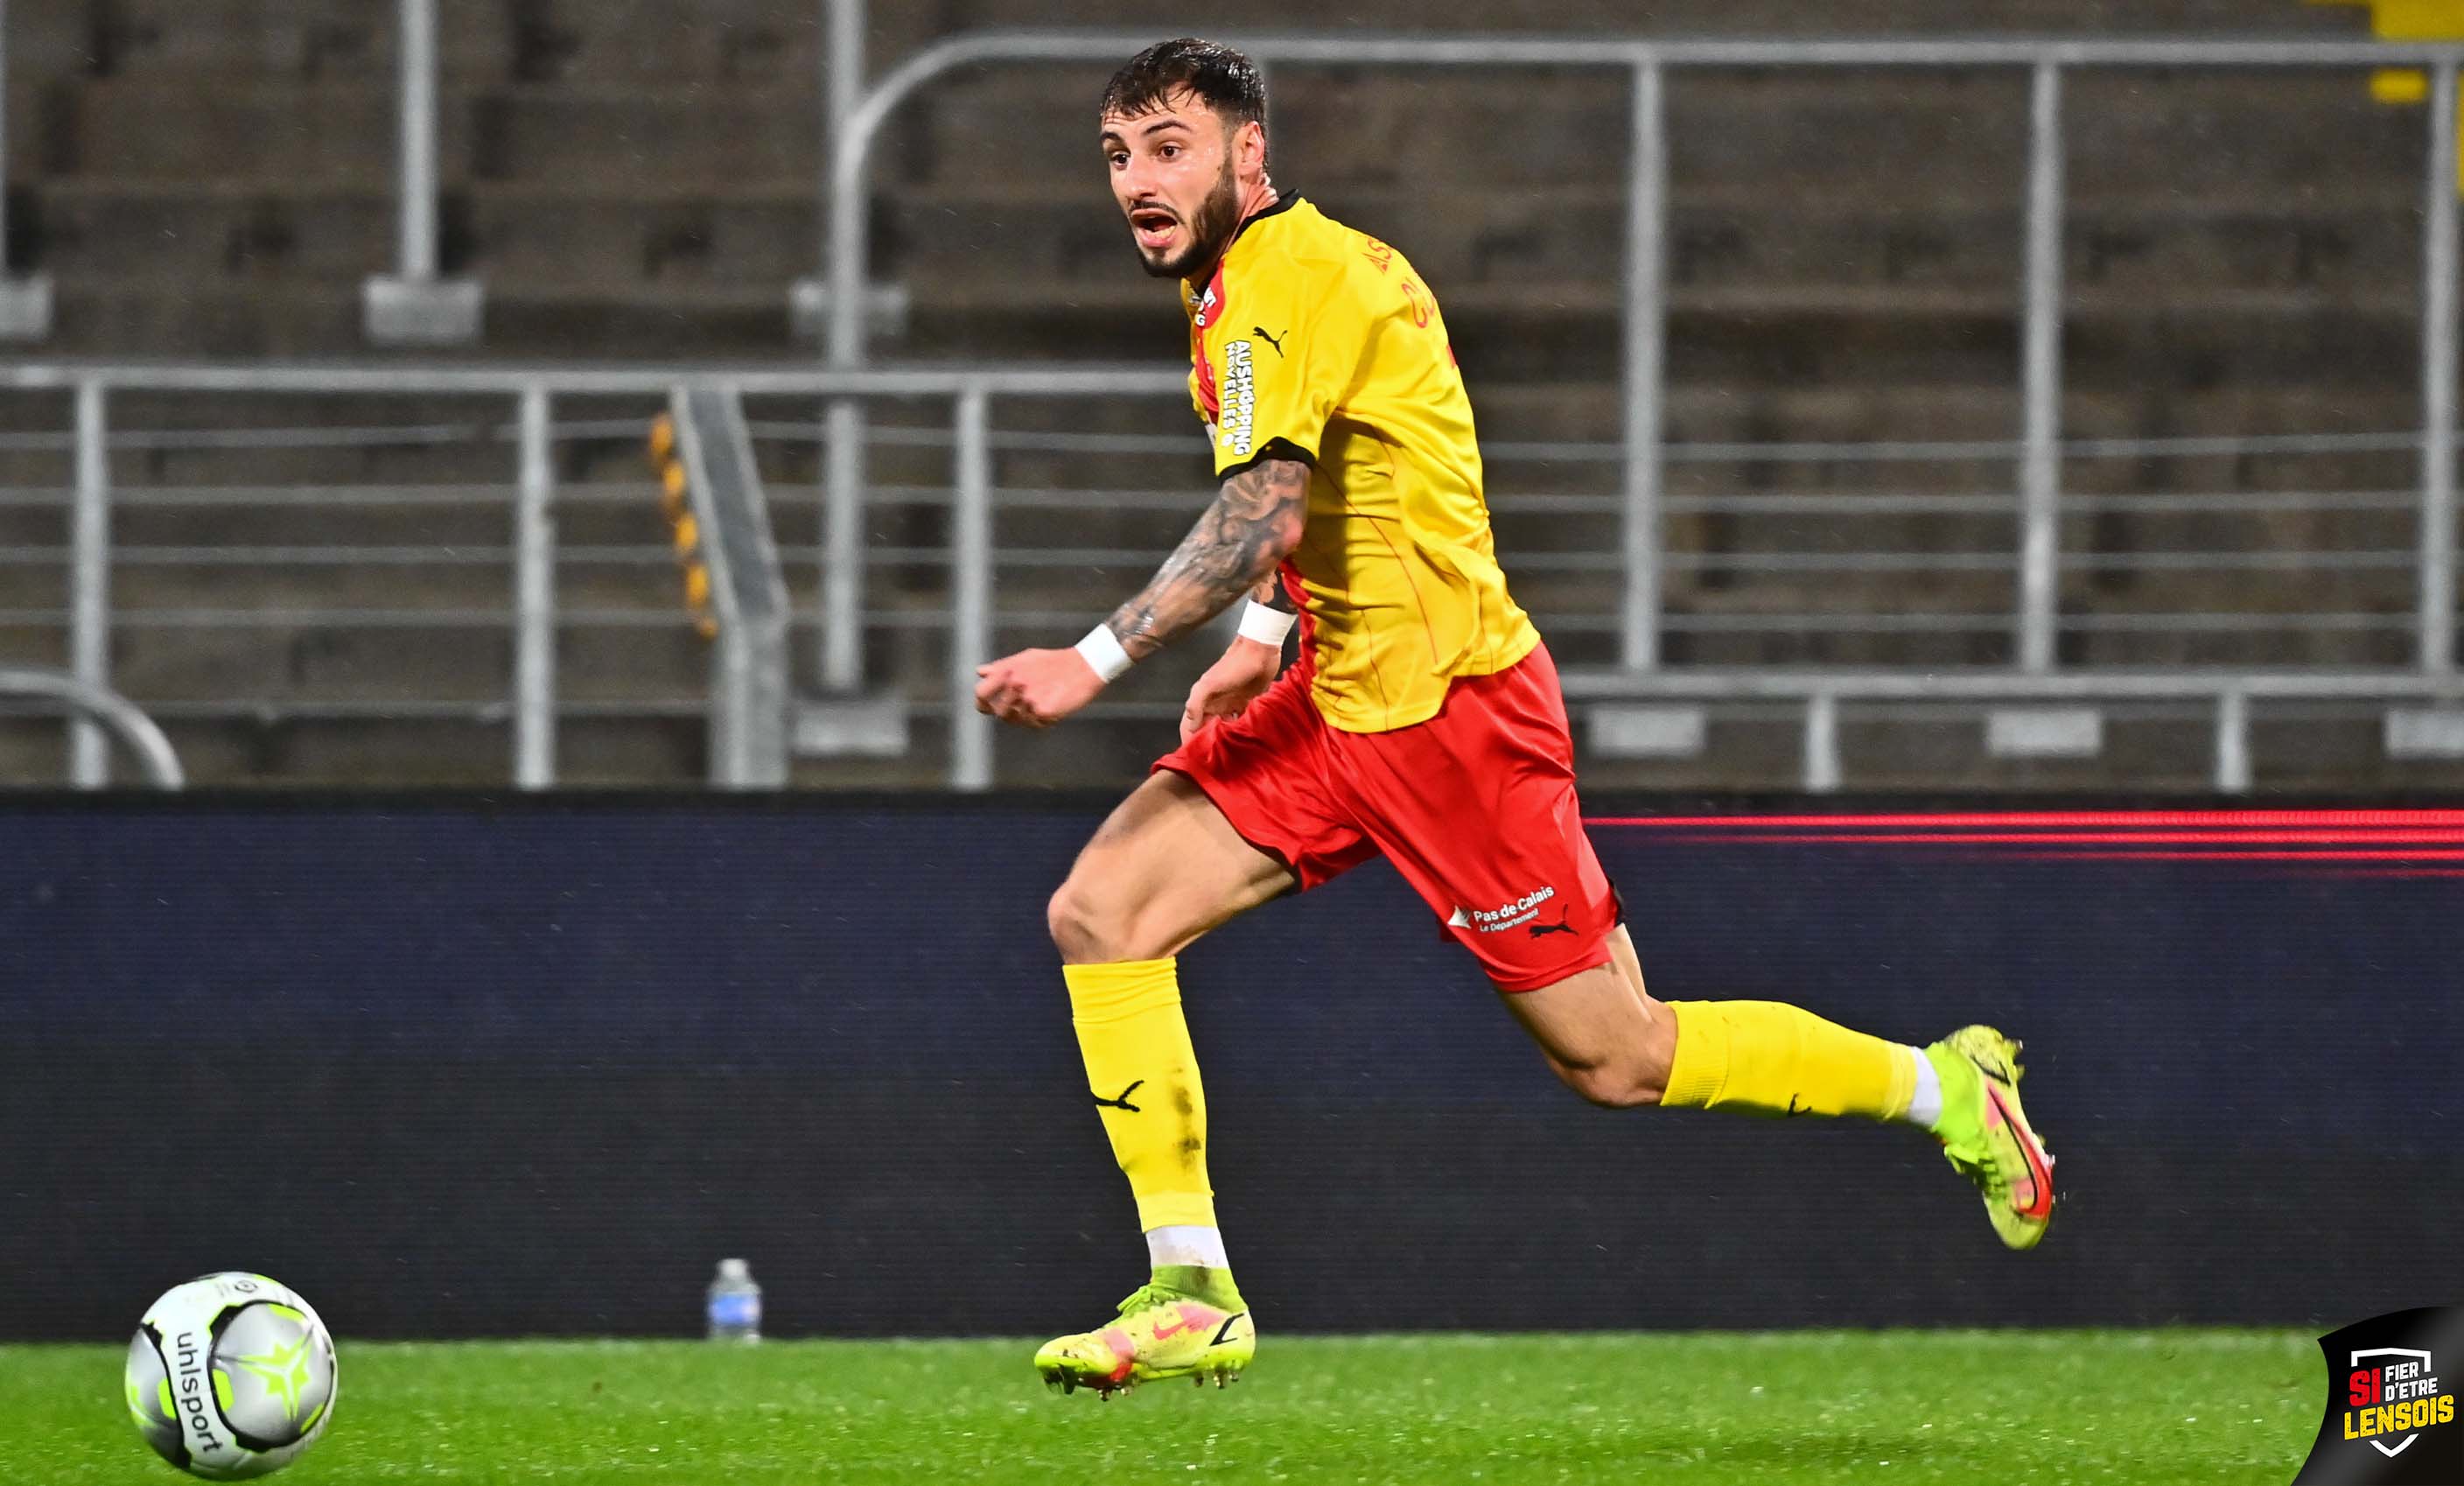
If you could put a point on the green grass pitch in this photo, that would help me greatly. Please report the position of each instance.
(2165, 1407)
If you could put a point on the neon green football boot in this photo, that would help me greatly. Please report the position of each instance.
(1986, 1135)
(1162, 1332)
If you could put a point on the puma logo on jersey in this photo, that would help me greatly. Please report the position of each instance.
(1277, 341)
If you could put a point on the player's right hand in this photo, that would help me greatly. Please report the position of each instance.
(1230, 684)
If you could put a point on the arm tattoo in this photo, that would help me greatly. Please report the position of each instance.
(1232, 550)
(1270, 592)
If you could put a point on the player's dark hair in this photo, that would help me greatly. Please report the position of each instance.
(1227, 80)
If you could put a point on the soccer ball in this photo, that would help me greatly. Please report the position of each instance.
(231, 1376)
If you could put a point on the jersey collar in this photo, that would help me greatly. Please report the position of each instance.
(1283, 204)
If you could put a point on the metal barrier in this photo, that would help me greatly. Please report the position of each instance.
(124, 718)
(749, 674)
(961, 600)
(415, 305)
(1643, 294)
(1633, 510)
(736, 712)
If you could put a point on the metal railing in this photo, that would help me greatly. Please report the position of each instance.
(532, 555)
(1643, 292)
(978, 581)
(1647, 635)
(101, 710)
(414, 296)
(749, 673)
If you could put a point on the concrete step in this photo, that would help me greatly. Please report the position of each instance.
(1769, 334)
(1787, 130)
(23, 644)
(649, 41)
(736, 237)
(647, 585)
(2254, 647)
(630, 39)
(295, 39)
(608, 136)
(342, 753)
(480, 467)
(245, 129)
(1730, 237)
(344, 132)
(734, 240)
(302, 752)
(339, 660)
(209, 527)
(1678, 17)
(214, 228)
(535, 40)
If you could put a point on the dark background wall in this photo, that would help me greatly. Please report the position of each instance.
(464, 1067)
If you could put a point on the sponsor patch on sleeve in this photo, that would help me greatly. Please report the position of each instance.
(1239, 395)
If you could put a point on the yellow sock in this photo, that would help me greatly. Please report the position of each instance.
(1765, 1058)
(1144, 1074)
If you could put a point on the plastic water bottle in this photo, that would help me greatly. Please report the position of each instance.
(735, 1304)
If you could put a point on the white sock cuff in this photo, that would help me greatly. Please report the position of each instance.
(1187, 1243)
(1924, 1105)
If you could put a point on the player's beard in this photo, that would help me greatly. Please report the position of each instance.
(1210, 232)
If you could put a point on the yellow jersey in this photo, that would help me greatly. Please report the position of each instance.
(1324, 338)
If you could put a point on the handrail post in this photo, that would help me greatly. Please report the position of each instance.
(415, 218)
(843, 547)
(971, 580)
(1822, 772)
(1646, 360)
(535, 599)
(2233, 774)
(413, 306)
(810, 298)
(843, 489)
(2438, 350)
(2041, 373)
(24, 302)
(90, 584)
(844, 720)
(841, 69)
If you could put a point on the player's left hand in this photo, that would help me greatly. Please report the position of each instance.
(1036, 688)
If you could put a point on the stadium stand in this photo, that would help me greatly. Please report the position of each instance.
(637, 179)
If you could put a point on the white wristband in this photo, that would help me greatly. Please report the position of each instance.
(1266, 624)
(1103, 651)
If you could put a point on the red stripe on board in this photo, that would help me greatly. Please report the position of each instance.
(2354, 855)
(2368, 837)
(2056, 820)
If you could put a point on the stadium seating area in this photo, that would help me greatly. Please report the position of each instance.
(636, 179)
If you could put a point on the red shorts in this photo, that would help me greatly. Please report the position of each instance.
(1475, 808)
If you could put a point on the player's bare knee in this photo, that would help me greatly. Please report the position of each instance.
(1094, 922)
(1077, 923)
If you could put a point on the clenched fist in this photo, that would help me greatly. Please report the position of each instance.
(1036, 688)
(1230, 684)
